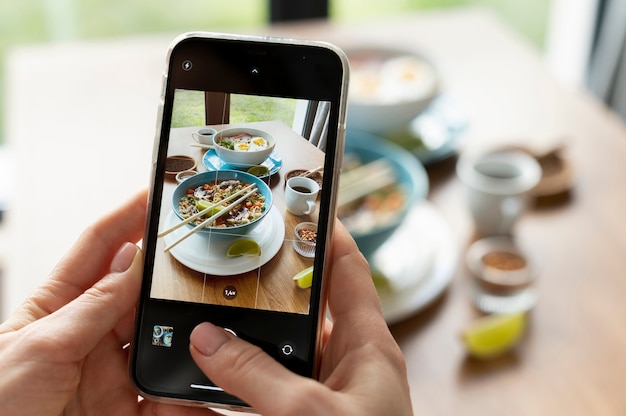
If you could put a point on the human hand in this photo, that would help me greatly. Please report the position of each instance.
(62, 351)
(363, 371)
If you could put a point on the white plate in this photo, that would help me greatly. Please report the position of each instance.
(420, 259)
(194, 252)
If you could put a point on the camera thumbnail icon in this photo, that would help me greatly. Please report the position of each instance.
(162, 335)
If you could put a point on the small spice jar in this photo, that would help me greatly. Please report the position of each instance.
(305, 237)
(503, 275)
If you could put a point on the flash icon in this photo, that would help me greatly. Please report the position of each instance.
(187, 65)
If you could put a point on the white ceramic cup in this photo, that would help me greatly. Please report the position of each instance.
(204, 135)
(498, 184)
(300, 195)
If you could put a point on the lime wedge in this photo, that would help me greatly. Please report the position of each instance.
(203, 204)
(258, 170)
(494, 335)
(304, 278)
(380, 281)
(244, 247)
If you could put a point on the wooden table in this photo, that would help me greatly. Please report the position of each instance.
(271, 287)
(572, 360)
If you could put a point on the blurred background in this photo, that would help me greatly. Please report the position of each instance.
(568, 34)
(581, 41)
(514, 72)
(563, 31)
(38, 21)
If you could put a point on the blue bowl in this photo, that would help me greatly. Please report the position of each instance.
(221, 175)
(411, 175)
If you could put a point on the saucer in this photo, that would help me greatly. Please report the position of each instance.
(212, 162)
(435, 134)
(208, 255)
(419, 261)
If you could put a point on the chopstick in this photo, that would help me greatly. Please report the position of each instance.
(208, 220)
(369, 169)
(201, 146)
(311, 171)
(364, 180)
(204, 211)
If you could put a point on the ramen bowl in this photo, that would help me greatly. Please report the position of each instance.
(388, 88)
(193, 188)
(371, 220)
(240, 146)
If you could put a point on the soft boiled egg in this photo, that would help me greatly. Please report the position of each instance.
(407, 77)
(242, 147)
(259, 143)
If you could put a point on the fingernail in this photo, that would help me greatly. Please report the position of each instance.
(207, 338)
(123, 258)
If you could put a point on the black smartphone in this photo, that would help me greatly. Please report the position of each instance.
(246, 163)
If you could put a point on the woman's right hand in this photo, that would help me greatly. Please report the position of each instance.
(363, 370)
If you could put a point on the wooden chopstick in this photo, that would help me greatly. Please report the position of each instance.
(374, 183)
(366, 170)
(368, 178)
(202, 146)
(311, 171)
(204, 211)
(208, 220)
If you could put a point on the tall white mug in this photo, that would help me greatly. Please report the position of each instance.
(498, 186)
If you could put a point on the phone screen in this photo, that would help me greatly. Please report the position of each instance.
(242, 206)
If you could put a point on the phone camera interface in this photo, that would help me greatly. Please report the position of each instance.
(287, 349)
(187, 65)
(232, 232)
(255, 71)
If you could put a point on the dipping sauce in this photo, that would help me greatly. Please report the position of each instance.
(175, 164)
(504, 271)
(504, 260)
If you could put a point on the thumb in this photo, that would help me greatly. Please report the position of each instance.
(88, 318)
(246, 371)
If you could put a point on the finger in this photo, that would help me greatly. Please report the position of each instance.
(247, 372)
(328, 329)
(75, 274)
(355, 308)
(352, 290)
(150, 408)
(86, 262)
(88, 318)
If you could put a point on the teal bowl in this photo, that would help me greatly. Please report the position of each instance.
(222, 175)
(411, 179)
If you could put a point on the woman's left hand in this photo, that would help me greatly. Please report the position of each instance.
(63, 351)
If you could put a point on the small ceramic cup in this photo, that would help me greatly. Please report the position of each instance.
(305, 236)
(300, 195)
(204, 135)
(498, 186)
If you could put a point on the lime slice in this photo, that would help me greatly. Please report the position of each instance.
(244, 247)
(380, 281)
(203, 204)
(304, 278)
(494, 335)
(258, 170)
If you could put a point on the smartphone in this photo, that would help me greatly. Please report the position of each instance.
(249, 144)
